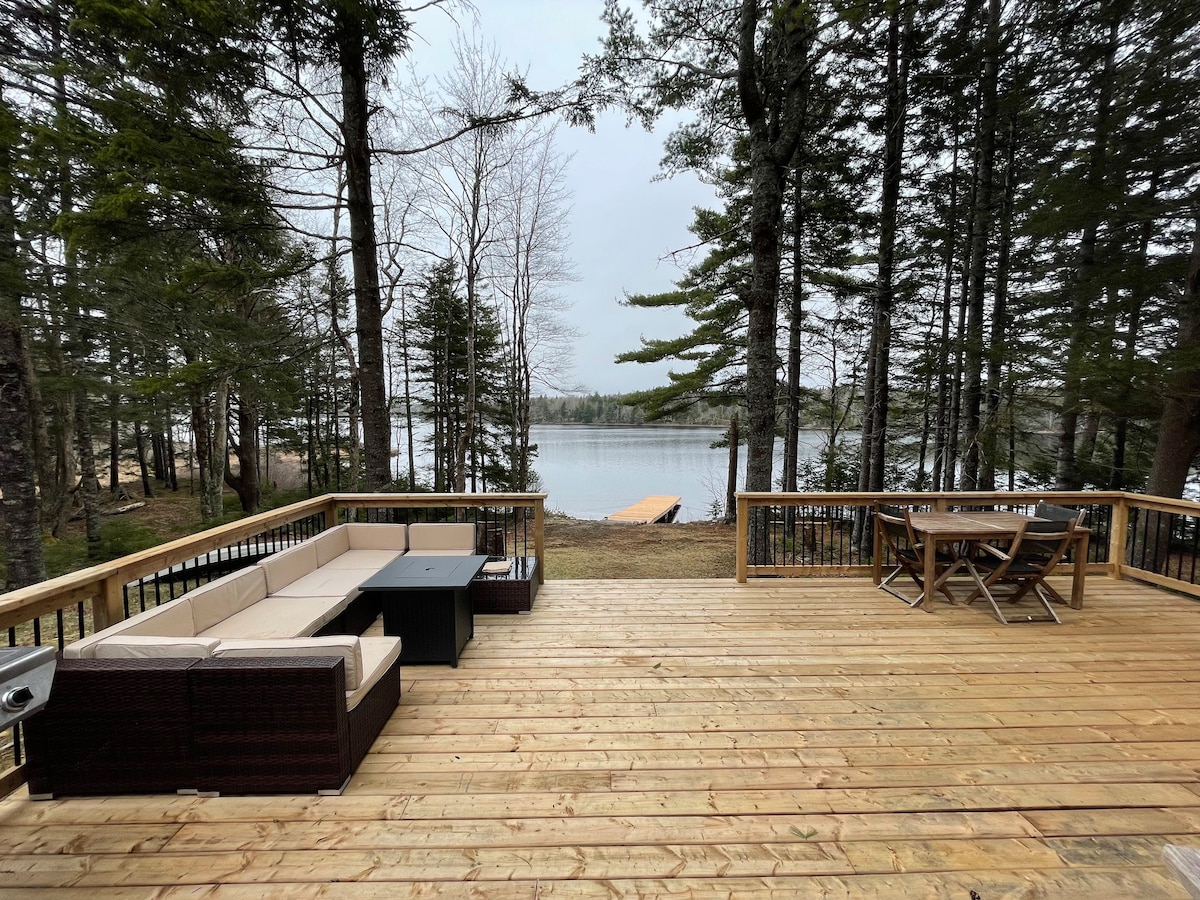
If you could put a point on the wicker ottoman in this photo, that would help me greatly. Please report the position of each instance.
(512, 591)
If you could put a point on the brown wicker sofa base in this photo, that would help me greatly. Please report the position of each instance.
(112, 726)
(281, 725)
(512, 592)
(235, 726)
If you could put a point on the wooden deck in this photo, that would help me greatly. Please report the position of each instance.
(782, 739)
(647, 510)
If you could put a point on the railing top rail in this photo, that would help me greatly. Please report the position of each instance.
(828, 498)
(1163, 504)
(344, 500)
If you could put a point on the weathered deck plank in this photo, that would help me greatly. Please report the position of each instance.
(700, 738)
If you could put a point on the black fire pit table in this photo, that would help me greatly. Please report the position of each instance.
(426, 602)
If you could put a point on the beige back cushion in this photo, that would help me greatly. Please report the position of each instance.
(377, 536)
(440, 536)
(331, 544)
(172, 619)
(284, 568)
(132, 646)
(345, 646)
(220, 599)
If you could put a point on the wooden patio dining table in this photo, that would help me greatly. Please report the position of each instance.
(951, 528)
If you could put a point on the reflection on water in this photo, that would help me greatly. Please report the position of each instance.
(590, 472)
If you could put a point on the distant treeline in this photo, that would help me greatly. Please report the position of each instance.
(611, 409)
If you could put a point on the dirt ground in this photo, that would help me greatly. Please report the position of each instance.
(577, 548)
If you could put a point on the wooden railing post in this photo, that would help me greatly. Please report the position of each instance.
(108, 606)
(743, 539)
(539, 538)
(330, 510)
(1118, 538)
(876, 547)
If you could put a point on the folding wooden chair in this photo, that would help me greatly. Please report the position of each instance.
(908, 554)
(1054, 513)
(1023, 565)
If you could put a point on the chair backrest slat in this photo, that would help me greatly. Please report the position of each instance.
(1060, 513)
(1044, 542)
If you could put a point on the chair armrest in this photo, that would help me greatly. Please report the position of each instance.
(988, 549)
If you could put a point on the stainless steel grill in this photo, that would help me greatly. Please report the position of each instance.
(25, 677)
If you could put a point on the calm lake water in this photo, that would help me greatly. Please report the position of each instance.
(590, 472)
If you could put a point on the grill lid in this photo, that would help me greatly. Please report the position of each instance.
(26, 674)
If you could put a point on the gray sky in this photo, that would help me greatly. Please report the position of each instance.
(623, 224)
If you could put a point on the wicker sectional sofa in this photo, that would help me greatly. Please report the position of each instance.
(257, 682)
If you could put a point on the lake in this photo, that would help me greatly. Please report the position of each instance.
(590, 471)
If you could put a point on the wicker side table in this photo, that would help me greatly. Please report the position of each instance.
(512, 591)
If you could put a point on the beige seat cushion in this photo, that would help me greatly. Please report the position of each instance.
(364, 559)
(279, 617)
(231, 594)
(173, 619)
(455, 537)
(285, 567)
(135, 646)
(330, 544)
(326, 582)
(345, 646)
(378, 655)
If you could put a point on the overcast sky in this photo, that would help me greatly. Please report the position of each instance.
(623, 224)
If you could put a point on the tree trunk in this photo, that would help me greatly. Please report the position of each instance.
(89, 484)
(471, 270)
(998, 341)
(247, 483)
(114, 452)
(980, 233)
(1068, 476)
(408, 398)
(954, 420)
(791, 431)
(360, 210)
(46, 461)
(1179, 428)
(139, 442)
(875, 438)
(1137, 297)
(774, 135)
(171, 471)
(114, 429)
(761, 358)
(731, 479)
(18, 493)
(942, 457)
(210, 425)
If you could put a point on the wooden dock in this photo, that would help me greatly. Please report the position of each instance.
(648, 511)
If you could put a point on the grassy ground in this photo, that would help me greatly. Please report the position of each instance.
(589, 549)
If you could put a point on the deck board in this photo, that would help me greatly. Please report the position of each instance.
(786, 738)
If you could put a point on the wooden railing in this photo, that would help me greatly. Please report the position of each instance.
(66, 608)
(1153, 539)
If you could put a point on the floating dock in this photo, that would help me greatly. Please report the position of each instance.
(648, 511)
